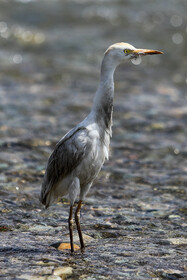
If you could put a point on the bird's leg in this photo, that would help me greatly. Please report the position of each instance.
(77, 220)
(70, 221)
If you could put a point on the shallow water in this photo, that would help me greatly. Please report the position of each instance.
(134, 217)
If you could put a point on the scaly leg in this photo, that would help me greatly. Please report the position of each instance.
(70, 221)
(77, 220)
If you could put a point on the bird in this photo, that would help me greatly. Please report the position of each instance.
(80, 154)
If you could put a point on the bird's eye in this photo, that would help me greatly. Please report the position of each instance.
(127, 51)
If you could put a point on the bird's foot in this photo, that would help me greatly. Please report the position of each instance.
(82, 249)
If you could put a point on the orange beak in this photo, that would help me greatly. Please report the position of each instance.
(145, 52)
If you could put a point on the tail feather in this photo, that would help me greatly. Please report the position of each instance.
(44, 194)
(47, 196)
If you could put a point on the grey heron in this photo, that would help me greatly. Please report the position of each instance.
(80, 154)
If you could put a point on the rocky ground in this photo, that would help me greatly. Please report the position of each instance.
(134, 217)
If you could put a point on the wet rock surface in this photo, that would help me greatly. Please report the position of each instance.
(134, 217)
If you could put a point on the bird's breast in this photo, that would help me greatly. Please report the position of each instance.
(92, 163)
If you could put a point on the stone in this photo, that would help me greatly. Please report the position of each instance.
(63, 271)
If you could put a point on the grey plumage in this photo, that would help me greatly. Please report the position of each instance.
(67, 155)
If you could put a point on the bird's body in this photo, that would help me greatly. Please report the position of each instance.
(80, 154)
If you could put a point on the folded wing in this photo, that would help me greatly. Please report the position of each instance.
(67, 155)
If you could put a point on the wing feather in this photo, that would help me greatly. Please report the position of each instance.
(67, 155)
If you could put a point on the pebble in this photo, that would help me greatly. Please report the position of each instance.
(40, 228)
(54, 277)
(62, 271)
(31, 277)
(178, 241)
(67, 246)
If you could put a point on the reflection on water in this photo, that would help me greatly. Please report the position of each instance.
(49, 69)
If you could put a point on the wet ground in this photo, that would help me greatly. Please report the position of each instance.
(134, 217)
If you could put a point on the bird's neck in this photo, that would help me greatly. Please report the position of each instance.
(103, 101)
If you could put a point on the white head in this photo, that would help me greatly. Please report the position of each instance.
(119, 52)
